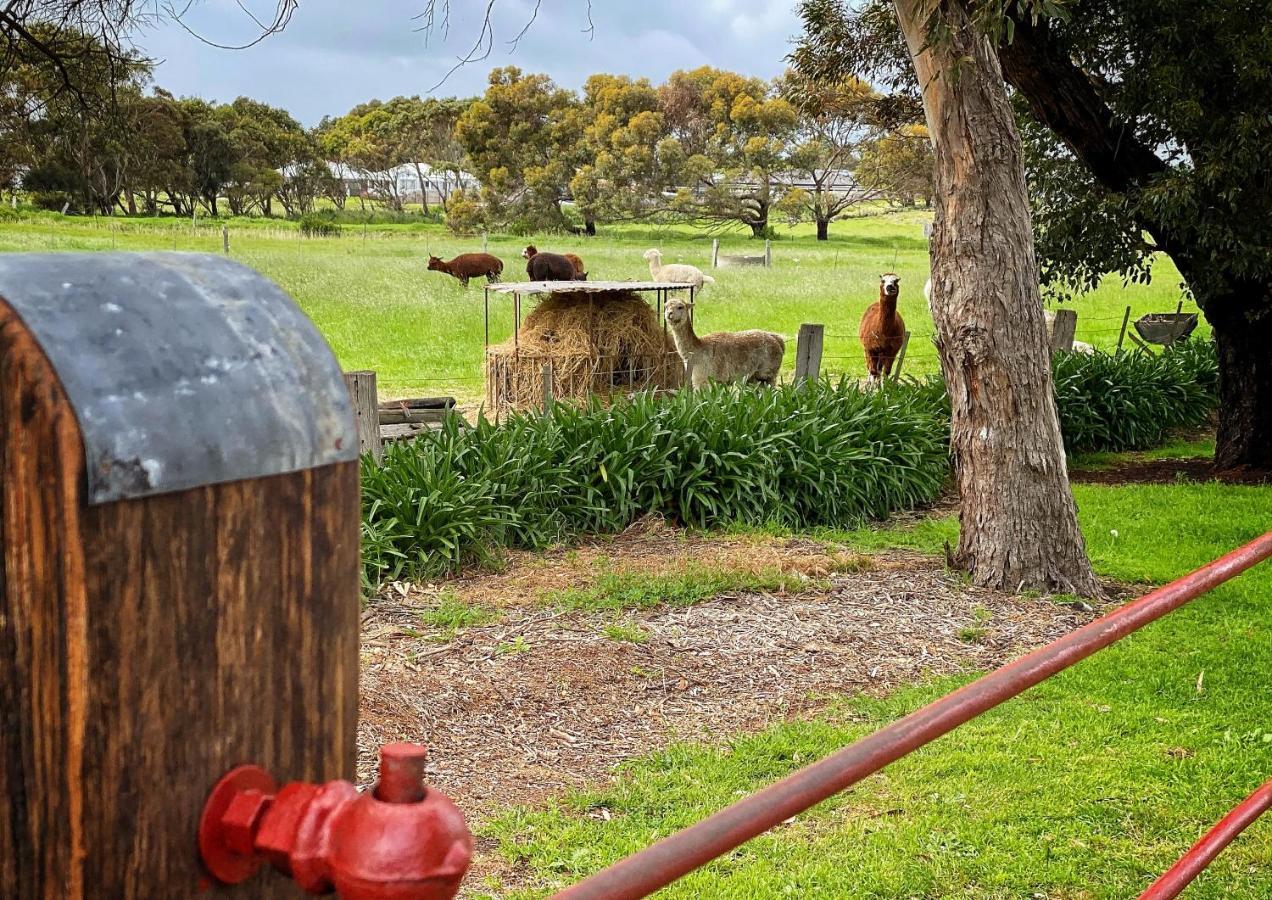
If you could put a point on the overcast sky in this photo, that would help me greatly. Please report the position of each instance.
(337, 53)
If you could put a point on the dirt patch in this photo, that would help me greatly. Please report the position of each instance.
(1169, 471)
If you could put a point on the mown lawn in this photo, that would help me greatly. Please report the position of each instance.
(378, 306)
(1086, 786)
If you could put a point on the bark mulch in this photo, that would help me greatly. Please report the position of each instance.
(1169, 471)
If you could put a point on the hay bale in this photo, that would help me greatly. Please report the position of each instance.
(597, 344)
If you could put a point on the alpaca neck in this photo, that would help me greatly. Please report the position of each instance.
(655, 266)
(887, 307)
(686, 341)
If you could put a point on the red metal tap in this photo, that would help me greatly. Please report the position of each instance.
(399, 841)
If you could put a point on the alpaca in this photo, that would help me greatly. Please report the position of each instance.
(548, 266)
(882, 329)
(754, 356)
(675, 272)
(468, 265)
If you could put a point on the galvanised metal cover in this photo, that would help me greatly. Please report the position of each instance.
(183, 369)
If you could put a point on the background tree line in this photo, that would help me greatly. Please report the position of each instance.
(707, 146)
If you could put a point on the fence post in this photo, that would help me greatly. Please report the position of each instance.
(808, 352)
(715, 253)
(484, 242)
(225, 239)
(1062, 331)
(1121, 335)
(547, 387)
(905, 344)
(768, 254)
(366, 411)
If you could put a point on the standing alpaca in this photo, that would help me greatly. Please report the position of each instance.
(727, 355)
(882, 329)
(678, 273)
(548, 266)
(468, 265)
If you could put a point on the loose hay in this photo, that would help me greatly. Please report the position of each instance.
(596, 343)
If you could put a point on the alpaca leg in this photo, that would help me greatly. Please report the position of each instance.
(463, 279)
(699, 378)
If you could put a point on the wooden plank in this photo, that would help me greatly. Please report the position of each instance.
(361, 385)
(407, 416)
(148, 646)
(1063, 330)
(419, 403)
(808, 351)
(547, 387)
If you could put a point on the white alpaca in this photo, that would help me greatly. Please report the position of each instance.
(678, 273)
(727, 355)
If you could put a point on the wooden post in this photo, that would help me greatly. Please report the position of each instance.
(1062, 331)
(768, 254)
(1121, 335)
(485, 238)
(225, 239)
(808, 352)
(547, 387)
(366, 411)
(900, 363)
(715, 253)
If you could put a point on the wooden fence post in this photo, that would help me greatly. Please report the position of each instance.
(1121, 335)
(366, 411)
(715, 253)
(547, 387)
(808, 352)
(900, 363)
(1062, 331)
(768, 254)
(485, 239)
(225, 239)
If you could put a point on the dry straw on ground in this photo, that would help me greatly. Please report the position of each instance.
(596, 343)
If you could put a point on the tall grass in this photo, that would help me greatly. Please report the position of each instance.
(812, 454)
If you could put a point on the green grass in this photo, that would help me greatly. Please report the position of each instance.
(1175, 448)
(374, 301)
(1086, 786)
(627, 632)
(450, 612)
(641, 590)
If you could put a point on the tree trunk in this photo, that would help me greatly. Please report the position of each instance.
(823, 229)
(1018, 522)
(1243, 443)
(589, 227)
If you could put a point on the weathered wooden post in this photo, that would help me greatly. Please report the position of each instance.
(900, 362)
(715, 253)
(1121, 335)
(548, 387)
(366, 411)
(225, 239)
(808, 351)
(768, 254)
(179, 581)
(1063, 330)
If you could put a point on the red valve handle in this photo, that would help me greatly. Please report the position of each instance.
(399, 841)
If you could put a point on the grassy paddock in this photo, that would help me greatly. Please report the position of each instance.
(372, 297)
(1087, 786)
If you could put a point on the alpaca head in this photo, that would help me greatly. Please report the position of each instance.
(677, 312)
(530, 251)
(654, 256)
(889, 286)
(435, 263)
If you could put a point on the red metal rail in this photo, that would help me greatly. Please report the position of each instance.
(1212, 843)
(657, 866)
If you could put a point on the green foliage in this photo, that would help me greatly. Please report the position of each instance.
(1131, 401)
(819, 453)
(318, 225)
(450, 614)
(627, 632)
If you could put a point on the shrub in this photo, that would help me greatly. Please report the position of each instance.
(813, 454)
(465, 213)
(1131, 401)
(317, 225)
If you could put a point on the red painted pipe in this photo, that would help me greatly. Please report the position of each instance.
(657, 866)
(1212, 843)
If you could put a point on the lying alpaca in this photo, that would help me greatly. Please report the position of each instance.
(675, 272)
(727, 355)
(882, 329)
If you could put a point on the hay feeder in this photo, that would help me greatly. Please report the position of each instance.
(582, 339)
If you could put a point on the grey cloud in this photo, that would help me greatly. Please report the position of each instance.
(334, 55)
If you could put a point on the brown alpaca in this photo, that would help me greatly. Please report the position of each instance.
(551, 270)
(883, 329)
(468, 265)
